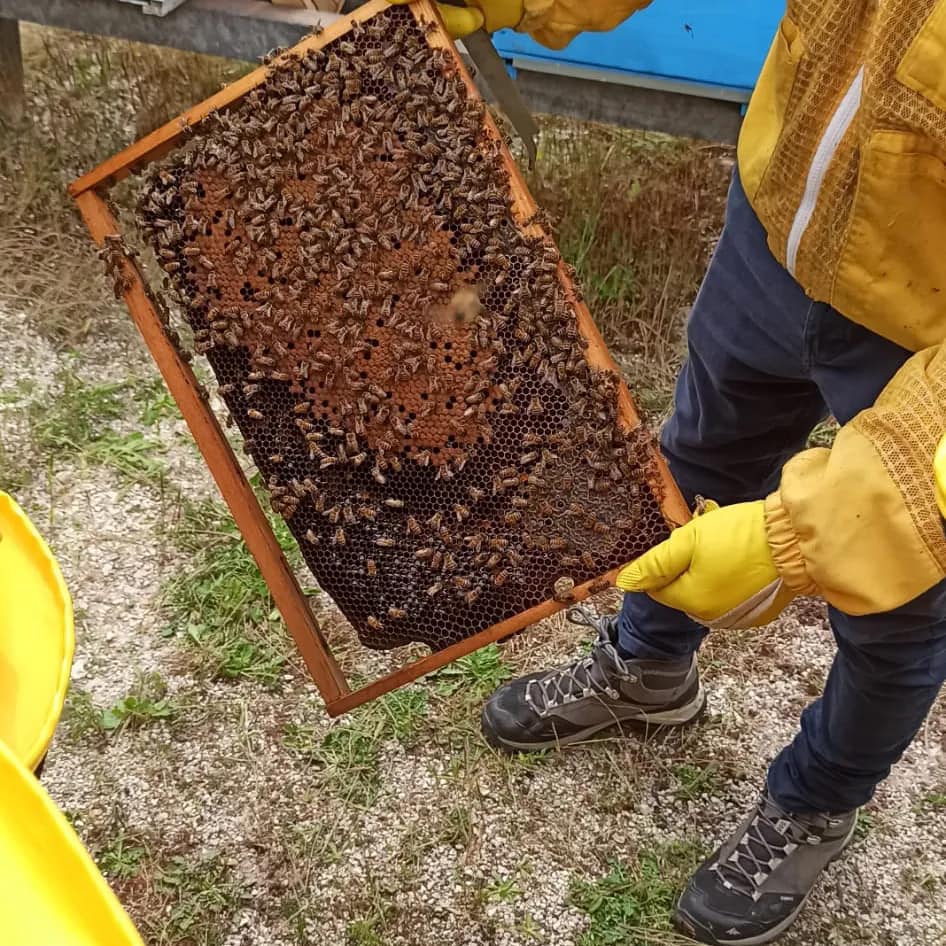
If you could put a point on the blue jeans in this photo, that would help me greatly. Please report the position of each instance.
(765, 365)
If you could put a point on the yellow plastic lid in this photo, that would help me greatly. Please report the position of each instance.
(37, 638)
(51, 893)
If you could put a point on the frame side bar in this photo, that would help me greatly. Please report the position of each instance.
(222, 463)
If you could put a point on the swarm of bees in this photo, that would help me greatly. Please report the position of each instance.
(440, 474)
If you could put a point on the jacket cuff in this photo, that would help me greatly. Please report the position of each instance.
(785, 548)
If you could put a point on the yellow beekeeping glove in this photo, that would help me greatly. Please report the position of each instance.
(494, 15)
(717, 568)
(939, 475)
(553, 23)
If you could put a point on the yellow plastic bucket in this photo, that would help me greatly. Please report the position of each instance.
(37, 637)
(51, 893)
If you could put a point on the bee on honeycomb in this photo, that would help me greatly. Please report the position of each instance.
(400, 353)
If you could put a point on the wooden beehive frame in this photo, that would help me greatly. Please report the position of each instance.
(253, 524)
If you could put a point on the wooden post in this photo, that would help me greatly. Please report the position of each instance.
(11, 72)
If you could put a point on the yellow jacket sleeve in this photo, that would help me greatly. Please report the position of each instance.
(555, 23)
(858, 523)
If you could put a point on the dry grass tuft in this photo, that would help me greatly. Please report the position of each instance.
(637, 214)
(87, 98)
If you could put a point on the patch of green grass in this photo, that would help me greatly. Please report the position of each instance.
(16, 470)
(348, 761)
(934, 801)
(866, 825)
(373, 912)
(122, 858)
(501, 890)
(78, 416)
(401, 713)
(131, 454)
(528, 928)
(201, 898)
(220, 603)
(457, 828)
(531, 761)
(478, 673)
(696, 780)
(347, 755)
(78, 423)
(155, 402)
(918, 877)
(632, 904)
(80, 718)
(14, 473)
(147, 703)
(365, 931)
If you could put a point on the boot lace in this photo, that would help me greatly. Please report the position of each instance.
(587, 676)
(772, 836)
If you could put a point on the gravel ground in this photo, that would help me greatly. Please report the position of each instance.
(457, 845)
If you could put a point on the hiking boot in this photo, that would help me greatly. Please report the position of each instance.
(753, 888)
(592, 693)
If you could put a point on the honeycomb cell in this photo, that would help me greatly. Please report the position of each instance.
(402, 358)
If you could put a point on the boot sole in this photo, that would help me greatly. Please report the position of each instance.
(680, 716)
(686, 925)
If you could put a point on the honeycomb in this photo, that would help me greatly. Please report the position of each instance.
(400, 352)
